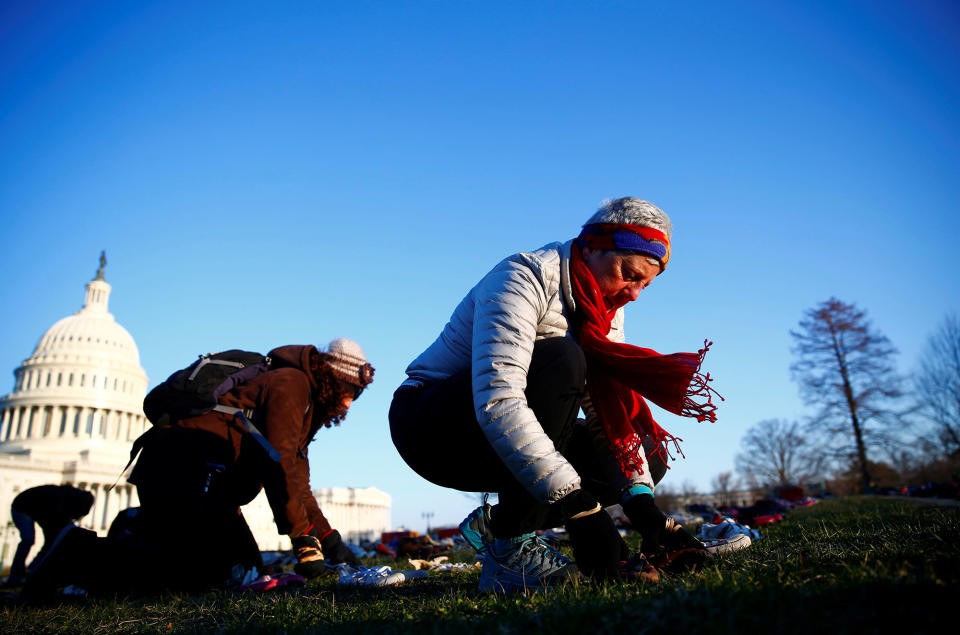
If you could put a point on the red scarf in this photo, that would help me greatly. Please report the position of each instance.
(619, 376)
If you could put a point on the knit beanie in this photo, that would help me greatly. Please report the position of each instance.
(349, 363)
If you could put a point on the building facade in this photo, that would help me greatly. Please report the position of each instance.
(360, 514)
(77, 406)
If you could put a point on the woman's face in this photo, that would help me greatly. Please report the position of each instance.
(621, 278)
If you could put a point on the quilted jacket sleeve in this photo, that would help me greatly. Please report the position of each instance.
(508, 305)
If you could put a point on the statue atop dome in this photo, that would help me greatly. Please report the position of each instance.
(103, 264)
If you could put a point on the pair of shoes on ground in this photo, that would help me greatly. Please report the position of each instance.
(530, 562)
(524, 563)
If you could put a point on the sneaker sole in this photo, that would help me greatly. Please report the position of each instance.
(498, 586)
(492, 584)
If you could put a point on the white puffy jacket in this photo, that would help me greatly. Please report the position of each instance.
(524, 298)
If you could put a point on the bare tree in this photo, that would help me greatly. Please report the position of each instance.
(938, 382)
(723, 485)
(688, 489)
(847, 368)
(775, 452)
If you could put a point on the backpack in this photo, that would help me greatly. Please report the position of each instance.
(196, 389)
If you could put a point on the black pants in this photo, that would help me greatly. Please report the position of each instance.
(188, 511)
(436, 432)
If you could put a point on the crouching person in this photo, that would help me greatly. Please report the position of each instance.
(193, 476)
(492, 404)
(221, 464)
(55, 508)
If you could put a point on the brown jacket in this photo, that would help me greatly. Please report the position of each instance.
(283, 408)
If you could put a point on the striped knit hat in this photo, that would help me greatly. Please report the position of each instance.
(348, 362)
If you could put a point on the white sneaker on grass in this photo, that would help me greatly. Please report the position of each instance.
(717, 546)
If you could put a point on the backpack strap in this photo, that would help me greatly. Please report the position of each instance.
(245, 416)
(204, 360)
(134, 452)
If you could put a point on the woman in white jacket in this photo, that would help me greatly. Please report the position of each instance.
(492, 404)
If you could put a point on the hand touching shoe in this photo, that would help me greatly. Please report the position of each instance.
(309, 555)
(665, 543)
(597, 545)
(336, 552)
(647, 519)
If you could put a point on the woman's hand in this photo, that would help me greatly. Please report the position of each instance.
(597, 545)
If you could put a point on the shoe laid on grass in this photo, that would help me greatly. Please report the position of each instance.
(524, 563)
(475, 529)
(725, 545)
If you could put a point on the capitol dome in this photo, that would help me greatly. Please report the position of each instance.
(81, 391)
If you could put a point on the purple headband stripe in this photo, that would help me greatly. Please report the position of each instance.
(633, 242)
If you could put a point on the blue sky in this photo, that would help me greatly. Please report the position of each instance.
(288, 172)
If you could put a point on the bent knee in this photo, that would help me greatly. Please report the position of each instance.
(561, 358)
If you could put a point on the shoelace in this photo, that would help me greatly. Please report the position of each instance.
(541, 553)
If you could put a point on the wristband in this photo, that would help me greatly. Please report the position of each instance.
(635, 490)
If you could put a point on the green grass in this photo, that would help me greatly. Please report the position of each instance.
(857, 565)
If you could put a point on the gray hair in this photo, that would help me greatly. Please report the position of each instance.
(632, 211)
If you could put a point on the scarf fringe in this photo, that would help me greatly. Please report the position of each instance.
(628, 451)
(700, 387)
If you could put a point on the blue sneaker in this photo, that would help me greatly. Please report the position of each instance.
(475, 529)
(523, 563)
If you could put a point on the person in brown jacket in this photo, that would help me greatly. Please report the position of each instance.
(206, 467)
(192, 478)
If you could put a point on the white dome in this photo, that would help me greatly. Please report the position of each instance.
(91, 335)
(82, 388)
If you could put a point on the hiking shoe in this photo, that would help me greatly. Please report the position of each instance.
(475, 529)
(527, 562)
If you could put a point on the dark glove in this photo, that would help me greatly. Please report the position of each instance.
(647, 519)
(337, 552)
(597, 545)
(675, 537)
(309, 556)
(666, 544)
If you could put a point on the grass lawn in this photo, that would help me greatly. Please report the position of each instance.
(856, 565)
